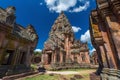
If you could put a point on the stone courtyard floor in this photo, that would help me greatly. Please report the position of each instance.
(62, 75)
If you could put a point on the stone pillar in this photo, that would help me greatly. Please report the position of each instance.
(103, 54)
(55, 57)
(110, 57)
(27, 62)
(1, 55)
(13, 58)
(99, 70)
(19, 57)
(72, 56)
(52, 61)
(61, 57)
(113, 41)
(87, 57)
(80, 58)
(66, 44)
(44, 58)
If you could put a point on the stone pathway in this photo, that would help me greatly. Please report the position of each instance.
(62, 73)
(70, 72)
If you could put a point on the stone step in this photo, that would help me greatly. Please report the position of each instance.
(93, 76)
(13, 77)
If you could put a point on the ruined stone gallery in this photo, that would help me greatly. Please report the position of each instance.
(16, 44)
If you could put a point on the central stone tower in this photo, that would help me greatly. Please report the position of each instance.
(57, 49)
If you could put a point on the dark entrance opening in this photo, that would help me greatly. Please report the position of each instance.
(23, 58)
(8, 57)
(64, 57)
(37, 59)
(58, 57)
(49, 58)
(83, 58)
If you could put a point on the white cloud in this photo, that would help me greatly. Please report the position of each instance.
(65, 5)
(41, 4)
(50, 2)
(85, 37)
(37, 50)
(81, 8)
(76, 29)
(91, 51)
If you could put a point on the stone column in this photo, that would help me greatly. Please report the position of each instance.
(14, 58)
(52, 61)
(1, 55)
(42, 58)
(27, 62)
(87, 57)
(55, 57)
(61, 57)
(110, 57)
(66, 44)
(112, 41)
(72, 56)
(103, 54)
(46, 58)
(99, 70)
(80, 58)
(19, 57)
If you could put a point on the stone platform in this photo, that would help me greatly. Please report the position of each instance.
(93, 76)
(13, 77)
(110, 74)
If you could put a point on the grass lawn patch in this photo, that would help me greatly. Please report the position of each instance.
(44, 77)
(52, 76)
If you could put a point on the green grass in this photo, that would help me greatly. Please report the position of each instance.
(44, 77)
(83, 72)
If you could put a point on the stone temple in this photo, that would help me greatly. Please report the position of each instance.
(16, 44)
(105, 37)
(61, 49)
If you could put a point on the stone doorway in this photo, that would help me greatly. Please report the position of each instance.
(49, 58)
(23, 58)
(64, 57)
(8, 56)
(58, 57)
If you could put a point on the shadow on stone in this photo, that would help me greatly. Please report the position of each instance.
(78, 76)
(51, 74)
(72, 79)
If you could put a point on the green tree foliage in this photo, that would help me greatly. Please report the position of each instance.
(37, 53)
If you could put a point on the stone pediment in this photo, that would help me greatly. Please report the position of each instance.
(7, 15)
(27, 33)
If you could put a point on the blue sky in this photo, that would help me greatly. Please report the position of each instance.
(42, 14)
